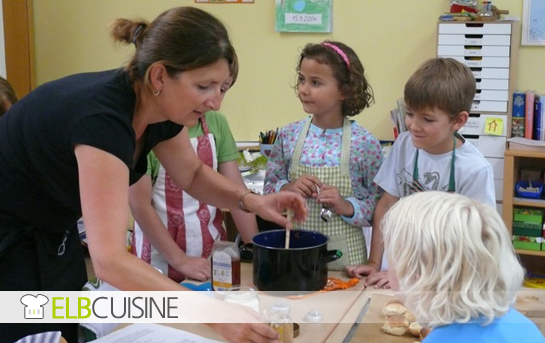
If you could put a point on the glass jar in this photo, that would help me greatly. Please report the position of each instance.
(243, 295)
(225, 265)
(282, 323)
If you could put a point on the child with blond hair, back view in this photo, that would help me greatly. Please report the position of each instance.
(431, 155)
(456, 269)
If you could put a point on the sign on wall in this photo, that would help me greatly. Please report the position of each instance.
(303, 15)
(533, 22)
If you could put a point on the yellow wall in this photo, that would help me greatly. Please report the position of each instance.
(391, 38)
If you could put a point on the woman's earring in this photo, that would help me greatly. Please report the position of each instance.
(156, 92)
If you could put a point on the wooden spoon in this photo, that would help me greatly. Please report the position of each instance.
(290, 218)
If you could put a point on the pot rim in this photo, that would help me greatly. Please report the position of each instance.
(296, 249)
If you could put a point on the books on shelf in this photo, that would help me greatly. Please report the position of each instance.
(539, 116)
(398, 117)
(519, 110)
(528, 117)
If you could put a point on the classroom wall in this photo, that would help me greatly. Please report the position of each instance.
(392, 38)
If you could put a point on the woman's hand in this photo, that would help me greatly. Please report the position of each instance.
(242, 325)
(272, 207)
(246, 332)
(304, 185)
(196, 268)
(330, 196)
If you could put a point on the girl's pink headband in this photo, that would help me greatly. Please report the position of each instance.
(339, 51)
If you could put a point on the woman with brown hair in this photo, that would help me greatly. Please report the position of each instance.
(72, 147)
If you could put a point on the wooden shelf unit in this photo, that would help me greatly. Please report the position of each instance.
(515, 160)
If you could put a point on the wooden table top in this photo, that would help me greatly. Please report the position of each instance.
(340, 309)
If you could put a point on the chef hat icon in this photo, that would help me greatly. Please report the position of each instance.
(34, 305)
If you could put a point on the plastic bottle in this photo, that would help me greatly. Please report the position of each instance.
(243, 295)
(225, 265)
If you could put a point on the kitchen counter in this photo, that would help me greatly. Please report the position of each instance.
(340, 309)
(335, 306)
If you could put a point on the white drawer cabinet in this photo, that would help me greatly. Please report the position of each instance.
(498, 187)
(482, 62)
(473, 50)
(449, 39)
(490, 50)
(489, 146)
(487, 48)
(490, 73)
(489, 106)
(497, 84)
(488, 94)
(476, 28)
(497, 166)
(476, 124)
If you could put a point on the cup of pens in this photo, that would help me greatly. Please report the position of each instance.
(266, 141)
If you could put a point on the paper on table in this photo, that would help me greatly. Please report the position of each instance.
(152, 333)
(525, 141)
(526, 144)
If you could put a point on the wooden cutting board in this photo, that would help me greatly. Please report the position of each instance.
(370, 330)
(531, 303)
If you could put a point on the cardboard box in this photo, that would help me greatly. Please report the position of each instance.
(527, 229)
(527, 243)
(528, 215)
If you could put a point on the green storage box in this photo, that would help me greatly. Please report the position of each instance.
(527, 243)
(527, 215)
(527, 229)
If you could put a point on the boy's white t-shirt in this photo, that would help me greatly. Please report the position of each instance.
(474, 176)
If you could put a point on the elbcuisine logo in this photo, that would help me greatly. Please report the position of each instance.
(107, 307)
(113, 307)
(34, 305)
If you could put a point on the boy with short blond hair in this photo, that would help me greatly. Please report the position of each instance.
(431, 155)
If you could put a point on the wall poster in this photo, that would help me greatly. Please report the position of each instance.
(303, 15)
(533, 22)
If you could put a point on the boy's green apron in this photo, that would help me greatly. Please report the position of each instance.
(342, 236)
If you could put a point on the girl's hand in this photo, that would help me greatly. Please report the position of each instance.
(359, 271)
(304, 185)
(378, 280)
(196, 268)
(330, 196)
